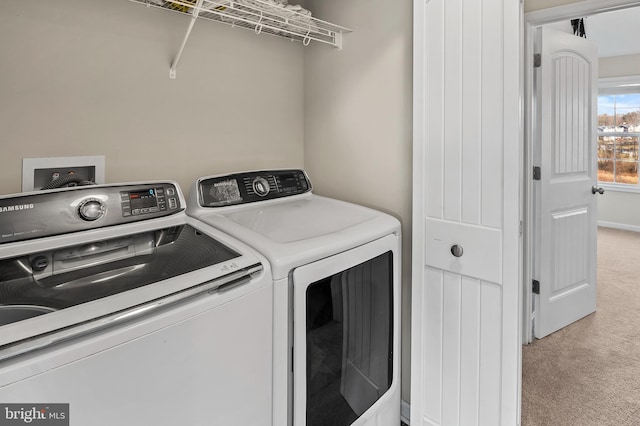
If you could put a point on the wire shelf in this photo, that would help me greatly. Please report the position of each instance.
(272, 17)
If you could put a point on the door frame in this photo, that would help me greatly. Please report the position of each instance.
(531, 21)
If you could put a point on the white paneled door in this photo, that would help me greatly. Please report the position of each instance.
(565, 204)
(466, 245)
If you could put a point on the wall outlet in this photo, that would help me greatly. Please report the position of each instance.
(37, 172)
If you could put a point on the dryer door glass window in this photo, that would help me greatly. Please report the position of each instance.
(349, 338)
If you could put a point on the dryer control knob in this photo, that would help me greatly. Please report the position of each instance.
(91, 209)
(261, 186)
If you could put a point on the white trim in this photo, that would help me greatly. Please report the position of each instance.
(582, 8)
(528, 136)
(618, 134)
(622, 226)
(620, 187)
(418, 195)
(405, 412)
(512, 268)
(619, 85)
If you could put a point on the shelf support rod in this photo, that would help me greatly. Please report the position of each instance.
(337, 36)
(194, 15)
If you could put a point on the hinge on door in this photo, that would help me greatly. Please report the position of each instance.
(535, 287)
(537, 60)
(537, 173)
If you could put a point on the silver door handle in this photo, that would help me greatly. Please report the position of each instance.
(595, 189)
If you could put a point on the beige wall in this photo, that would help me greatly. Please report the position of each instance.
(619, 208)
(91, 77)
(619, 66)
(531, 5)
(358, 125)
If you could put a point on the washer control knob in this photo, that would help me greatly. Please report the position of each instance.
(91, 209)
(261, 186)
(39, 263)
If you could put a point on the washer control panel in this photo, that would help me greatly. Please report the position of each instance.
(250, 187)
(61, 211)
(149, 200)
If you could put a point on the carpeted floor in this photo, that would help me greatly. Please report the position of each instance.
(588, 374)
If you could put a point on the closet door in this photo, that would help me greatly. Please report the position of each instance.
(465, 310)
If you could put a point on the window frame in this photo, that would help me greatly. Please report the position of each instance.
(619, 86)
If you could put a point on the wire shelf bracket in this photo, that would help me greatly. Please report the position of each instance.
(262, 16)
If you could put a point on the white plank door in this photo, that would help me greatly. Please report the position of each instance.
(565, 206)
(465, 303)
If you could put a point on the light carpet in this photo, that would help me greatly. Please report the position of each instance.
(589, 372)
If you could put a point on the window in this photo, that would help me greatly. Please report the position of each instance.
(619, 132)
(349, 330)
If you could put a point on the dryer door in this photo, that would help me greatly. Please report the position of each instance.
(346, 336)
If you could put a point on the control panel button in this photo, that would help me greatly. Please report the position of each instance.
(39, 263)
(91, 209)
(261, 187)
(172, 203)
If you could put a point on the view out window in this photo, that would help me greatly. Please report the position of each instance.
(618, 136)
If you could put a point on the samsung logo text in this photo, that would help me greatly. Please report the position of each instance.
(17, 207)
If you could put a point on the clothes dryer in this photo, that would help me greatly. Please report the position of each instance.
(336, 271)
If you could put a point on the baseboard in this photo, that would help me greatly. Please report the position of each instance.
(405, 412)
(622, 226)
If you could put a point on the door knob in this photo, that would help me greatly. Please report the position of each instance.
(456, 250)
(595, 189)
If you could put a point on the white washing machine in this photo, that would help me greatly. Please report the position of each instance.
(117, 308)
(336, 271)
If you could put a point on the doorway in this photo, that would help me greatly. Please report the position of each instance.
(532, 21)
(548, 17)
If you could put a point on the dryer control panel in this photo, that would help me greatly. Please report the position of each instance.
(250, 187)
(54, 212)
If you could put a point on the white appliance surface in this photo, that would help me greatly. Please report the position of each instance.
(292, 221)
(299, 230)
(204, 362)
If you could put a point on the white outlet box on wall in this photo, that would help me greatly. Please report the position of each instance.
(37, 172)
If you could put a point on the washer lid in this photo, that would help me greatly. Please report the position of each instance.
(96, 279)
